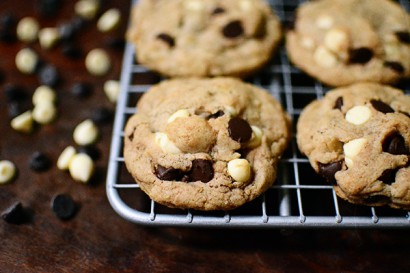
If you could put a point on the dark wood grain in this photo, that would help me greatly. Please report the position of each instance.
(98, 240)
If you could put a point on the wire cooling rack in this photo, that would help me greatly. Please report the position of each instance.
(298, 199)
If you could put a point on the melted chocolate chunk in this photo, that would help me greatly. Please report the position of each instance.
(202, 170)
(233, 29)
(167, 39)
(218, 114)
(328, 171)
(360, 55)
(394, 144)
(377, 199)
(381, 106)
(218, 10)
(388, 176)
(403, 36)
(168, 174)
(239, 130)
(396, 66)
(338, 103)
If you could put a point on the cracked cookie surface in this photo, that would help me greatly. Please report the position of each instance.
(206, 144)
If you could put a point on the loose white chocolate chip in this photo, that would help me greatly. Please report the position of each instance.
(307, 42)
(44, 112)
(23, 123)
(231, 111)
(81, 167)
(358, 115)
(63, 161)
(166, 144)
(87, 9)
(194, 5)
(183, 113)
(7, 171)
(324, 57)
(245, 5)
(112, 90)
(44, 93)
(337, 40)
(26, 61)
(109, 20)
(256, 137)
(324, 22)
(97, 62)
(85, 133)
(352, 149)
(27, 29)
(48, 37)
(239, 170)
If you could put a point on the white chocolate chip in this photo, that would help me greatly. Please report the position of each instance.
(245, 5)
(352, 149)
(194, 5)
(26, 61)
(239, 170)
(324, 22)
(337, 40)
(48, 37)
(27, 29)
(63, 161)
(358, 115)
(23, 123)
(231, 111)
(7, 171)
(183, 113)
(85, 133)
(109, 20)
(166, 144)
(44, 93)
(112, 90)
(44, 112)
(87, 9)
(307, 42)
(81, 167)
(324, 57)
(256, 139)
(97, 62)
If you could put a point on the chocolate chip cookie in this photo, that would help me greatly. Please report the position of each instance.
(204, 38)
(205, 144)
(358, 139)
(341, 42)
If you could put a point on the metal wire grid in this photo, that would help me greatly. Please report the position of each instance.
(299, 198)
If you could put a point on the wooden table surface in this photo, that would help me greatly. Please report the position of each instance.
(97, 239)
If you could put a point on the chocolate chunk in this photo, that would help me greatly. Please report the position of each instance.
(81, 89)
(403, 36)
(328, 171)
(78, 23)
(63, 206)
(48, 75)
(16, 214)
(66, 31)
(168, 174)
(218, 10)
(48, 8)
(14, 93)
(360, 55)
(388, 176)
(217, 114)
(396, 66)
(381, 106)
(71, 50)
(239, 130)
(395, 144)
(201, 170)
(39, 162)
(14, 109)
(91, 151)
(338, 103)
(131, 136)
(377, 199)
(233, 29)
(167, 39)
(102, 115)
(7, 27)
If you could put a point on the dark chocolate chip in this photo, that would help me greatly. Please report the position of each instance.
(167, 39)
(63, 206)
(16, 214)
(39, 162)
(66, 31)
(360, 55)
(396, 66)
(78, 23)
(239, 130)
(403, 36)
(168, 174)
(388, 176)
(81, 89)
(48, 75)
(328, 171)
(71, 50)
(102, 115)
(377, 199)
(218, 10)
(131, 136)
(91, 151)
(201, 170)
(14, 93)
(381, 106)
(14, 109)
(7, 28)
(233, 29)
(395, 144)
(48, 8)
(338, 103)
(217, 114)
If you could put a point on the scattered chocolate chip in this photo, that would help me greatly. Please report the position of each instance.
(338, 103)
(328, 171)
(39, 162)
(360, 55)
(167, 39)
(395, 144)
(403, 36)
(168, 174)
(388, 176)
(233, 29)
(396, 66)
(14, 93)
(217, 114)
(66, 31)
(63, 206)
(218, 10)
(16, 214)
(48, 75)
(377, 199)
(115, 43)
(239, 130)
(48, 8)
(201, 170)
(14, 109)
(78, 23)
(81, 89)
(7, 27)
(381, 106)
(71, 50)
(91, 151)
(102, 115)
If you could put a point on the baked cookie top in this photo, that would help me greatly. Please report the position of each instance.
(182, 38)
(358, 138)
(206, 144)
(341, 42)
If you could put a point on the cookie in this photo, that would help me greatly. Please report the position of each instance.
(182, 38)
(358, 139)
(341, 42)
(205, 144)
